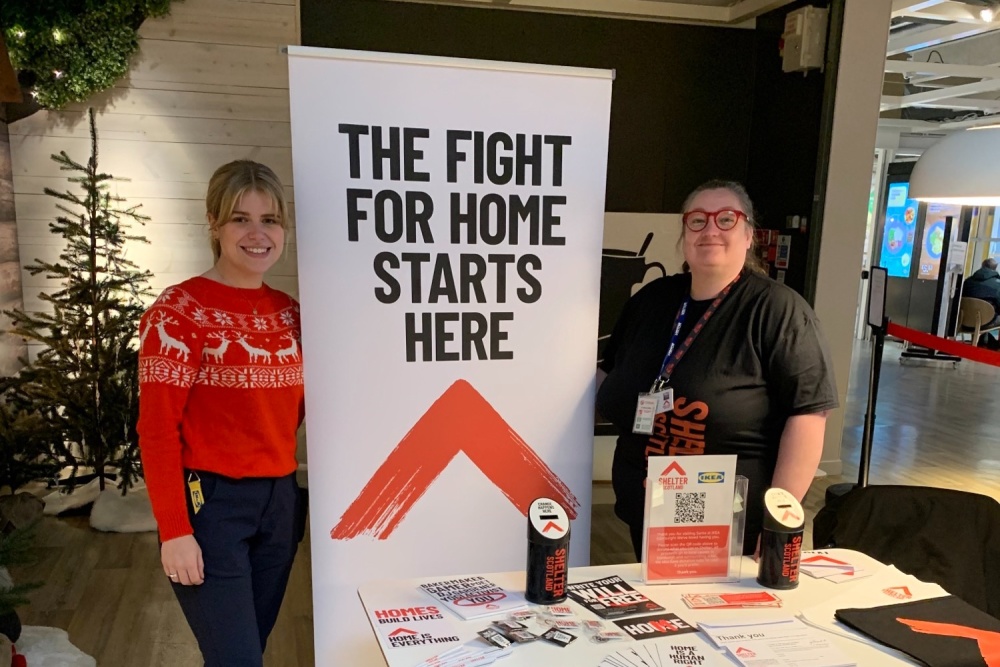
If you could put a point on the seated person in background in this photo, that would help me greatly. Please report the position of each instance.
(984, 284)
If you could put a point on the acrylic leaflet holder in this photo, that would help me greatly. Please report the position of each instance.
(694, 521)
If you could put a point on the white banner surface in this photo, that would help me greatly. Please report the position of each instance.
(449, 224)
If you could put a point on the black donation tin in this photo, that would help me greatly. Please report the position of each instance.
(548, 552)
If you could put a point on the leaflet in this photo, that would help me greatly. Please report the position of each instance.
(469, 655)
(652, 627)
(776, 643)
(473, 596)
(731, 600)
(611, 597)
(687, 651)
(832, 566)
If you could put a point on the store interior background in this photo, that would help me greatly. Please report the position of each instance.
(699, 93)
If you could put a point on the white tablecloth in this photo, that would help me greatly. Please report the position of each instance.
(399, 594)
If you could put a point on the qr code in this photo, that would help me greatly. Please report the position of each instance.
(689, 507)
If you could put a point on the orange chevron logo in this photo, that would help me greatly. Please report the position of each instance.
(790, 513)
(406, 632)
(988, 642)
(820, 558)
(673, 467)
(461, 420)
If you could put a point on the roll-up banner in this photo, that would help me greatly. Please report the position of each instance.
(448, 228)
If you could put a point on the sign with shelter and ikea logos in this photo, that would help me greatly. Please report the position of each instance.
(689, 534)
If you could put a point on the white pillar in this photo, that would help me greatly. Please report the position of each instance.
(855, 122)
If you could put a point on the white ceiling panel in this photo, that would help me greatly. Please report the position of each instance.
(715, 12)
(944, 68)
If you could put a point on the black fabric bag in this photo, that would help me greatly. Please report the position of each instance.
(940, 632)
(948, 537)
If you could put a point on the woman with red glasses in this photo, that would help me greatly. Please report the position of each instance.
(740, 355)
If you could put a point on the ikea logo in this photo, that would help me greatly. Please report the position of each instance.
(711, 477)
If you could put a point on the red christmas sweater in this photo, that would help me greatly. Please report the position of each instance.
(220, 389)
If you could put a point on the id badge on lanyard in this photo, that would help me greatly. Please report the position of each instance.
(660, 397)
(659, 400)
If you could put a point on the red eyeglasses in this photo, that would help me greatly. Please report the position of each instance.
(725, 219)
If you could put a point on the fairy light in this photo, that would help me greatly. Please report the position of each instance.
(57, 73)
(57, 34)
(19, 33)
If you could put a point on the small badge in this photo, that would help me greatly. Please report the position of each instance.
(197, 498)
(494, 637)
(609, 636)
(520, 636)
(664, 400)
(559, 637)
(510, 625)
(560, 610)
(645, 414)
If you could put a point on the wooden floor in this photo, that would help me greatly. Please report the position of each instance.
(937, 426)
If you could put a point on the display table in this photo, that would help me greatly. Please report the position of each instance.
(401, 594)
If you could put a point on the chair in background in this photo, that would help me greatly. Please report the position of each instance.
(948, 537)
(973, 316)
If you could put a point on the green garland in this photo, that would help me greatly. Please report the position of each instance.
(67, 50)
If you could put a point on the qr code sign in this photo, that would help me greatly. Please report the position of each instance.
(689, 507)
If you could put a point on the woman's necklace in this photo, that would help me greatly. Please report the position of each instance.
(220, 278)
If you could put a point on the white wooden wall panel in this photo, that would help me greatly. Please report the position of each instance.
(209, 85)
(253, 66)
(137, 191)
(217, 102)
(144, 160)
(222, 87)
(253, 24)
(159, 129)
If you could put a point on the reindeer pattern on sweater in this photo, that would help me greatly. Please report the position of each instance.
(187, 342)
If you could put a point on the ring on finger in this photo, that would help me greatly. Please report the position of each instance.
(172, 575)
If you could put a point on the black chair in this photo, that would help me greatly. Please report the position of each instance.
(948, 537)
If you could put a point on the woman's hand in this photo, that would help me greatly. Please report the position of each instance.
(181, 559)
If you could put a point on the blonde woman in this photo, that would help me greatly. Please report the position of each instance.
(221, 398)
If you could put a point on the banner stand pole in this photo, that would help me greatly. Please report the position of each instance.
(874, 372)
(879, 323)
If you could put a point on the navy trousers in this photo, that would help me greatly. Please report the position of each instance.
(247, 530)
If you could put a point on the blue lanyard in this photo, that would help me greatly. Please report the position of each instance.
(674, 337)
(675, 353)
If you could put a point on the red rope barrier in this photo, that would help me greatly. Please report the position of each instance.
(964, 350)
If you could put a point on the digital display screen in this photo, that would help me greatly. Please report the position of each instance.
(899, 231)
(933, 242)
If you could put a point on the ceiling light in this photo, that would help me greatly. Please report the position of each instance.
(962, 168)
(986, 14)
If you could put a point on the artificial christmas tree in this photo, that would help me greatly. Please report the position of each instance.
(25, 437)
(84, 380)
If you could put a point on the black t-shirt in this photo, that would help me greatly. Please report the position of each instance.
(759, 360)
